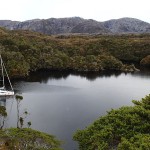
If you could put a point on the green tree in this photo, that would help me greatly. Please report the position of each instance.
(19, 98)
(3, 115)
(126, 128)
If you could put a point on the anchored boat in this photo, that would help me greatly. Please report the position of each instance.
(3, 90)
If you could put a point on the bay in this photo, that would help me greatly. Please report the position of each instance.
(60, 103)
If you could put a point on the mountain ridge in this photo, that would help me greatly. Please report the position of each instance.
(72, 25)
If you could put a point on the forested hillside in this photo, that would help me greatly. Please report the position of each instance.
(24, 51)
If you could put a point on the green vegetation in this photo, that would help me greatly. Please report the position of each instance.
(3, 115)
(127, 128)
(25, 51)
(24, 138)
(27, 139)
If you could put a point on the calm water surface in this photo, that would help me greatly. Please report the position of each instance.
(60, 103)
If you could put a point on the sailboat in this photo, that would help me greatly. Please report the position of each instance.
(3, 90)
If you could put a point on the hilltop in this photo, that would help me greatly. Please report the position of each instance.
(77, 25)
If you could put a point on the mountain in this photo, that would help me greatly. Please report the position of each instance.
(127, 25)
(57, 26)
(8, 24)
(90, 26)
(79, 25)
(50, 26)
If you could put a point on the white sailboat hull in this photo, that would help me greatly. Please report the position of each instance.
(6, 93)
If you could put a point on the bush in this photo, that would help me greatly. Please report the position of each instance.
(27, 139)
(125, 128)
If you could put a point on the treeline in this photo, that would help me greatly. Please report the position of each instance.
(24, 51)
(127, 128)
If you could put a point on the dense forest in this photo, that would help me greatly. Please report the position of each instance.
(126, 128)
(25, 51)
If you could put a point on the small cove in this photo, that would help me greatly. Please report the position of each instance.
(59, 103)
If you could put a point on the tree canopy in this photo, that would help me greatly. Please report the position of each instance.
(25, 51)
(126, 128)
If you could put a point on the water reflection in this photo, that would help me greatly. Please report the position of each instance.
(91, 76)
(5, 110)
(44, 75)
(13, 106)
(62, 102)
(145, 72)
(3, 101)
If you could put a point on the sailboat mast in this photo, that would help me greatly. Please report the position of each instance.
(3, 91)
(7, 76)
(2, 71)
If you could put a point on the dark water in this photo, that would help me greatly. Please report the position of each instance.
(60, 103)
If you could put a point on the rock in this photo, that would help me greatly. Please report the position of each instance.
(90, 26)
(79, 25)
(145, 61)
(129, 68)
(127, 25)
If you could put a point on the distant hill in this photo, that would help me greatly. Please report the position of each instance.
(90, 26)
(127, 25)
(8, 24)
(79, 25)
(50, 26)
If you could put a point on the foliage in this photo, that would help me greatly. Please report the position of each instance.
(15, 63)
(25, 51)
(20, 120)
(27, 139)
(19, 97)
(138, 142)
(24, 138)
(125, 128)
(3, 115)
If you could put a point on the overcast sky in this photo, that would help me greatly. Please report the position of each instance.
(100, 10)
